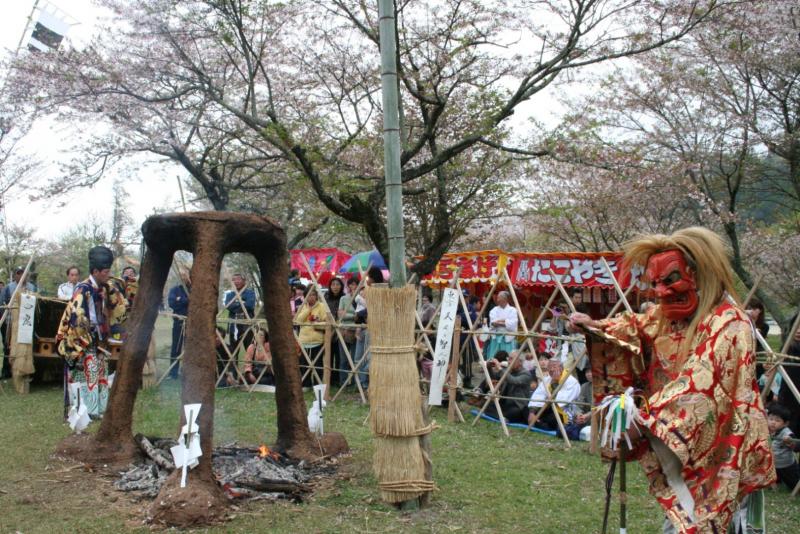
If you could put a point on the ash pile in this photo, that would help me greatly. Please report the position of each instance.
(245, 473)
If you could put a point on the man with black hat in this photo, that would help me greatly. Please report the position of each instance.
(94, 313)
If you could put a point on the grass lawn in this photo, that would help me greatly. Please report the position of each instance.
(486, 482)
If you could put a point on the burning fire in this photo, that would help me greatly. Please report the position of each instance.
(265, 452)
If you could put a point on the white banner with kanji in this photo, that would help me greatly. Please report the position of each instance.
(444, 341)
(27, 307)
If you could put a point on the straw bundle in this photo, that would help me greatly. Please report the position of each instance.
(400, 469)
(393, 377)
(395, 402)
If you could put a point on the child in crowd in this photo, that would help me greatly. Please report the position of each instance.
(784, 445)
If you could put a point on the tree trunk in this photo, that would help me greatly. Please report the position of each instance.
(747, 279)
(294, 437)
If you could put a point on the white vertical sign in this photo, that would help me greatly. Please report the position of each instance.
(444, 341)
(27, 307)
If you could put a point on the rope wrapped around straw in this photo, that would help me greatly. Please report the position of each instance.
(395, 401)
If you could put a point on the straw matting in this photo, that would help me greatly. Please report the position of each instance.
(395, 408)
(395, 405)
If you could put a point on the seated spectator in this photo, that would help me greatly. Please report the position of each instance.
(223, 359)
(583, 408)
(258, 361)
(501, 358)
(784, 445)
(547, 345)
(564, 398)
(515, 390)
(544, 365)
(311, 319)
(528, 362)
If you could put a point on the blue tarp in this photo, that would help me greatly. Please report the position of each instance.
(475, 411)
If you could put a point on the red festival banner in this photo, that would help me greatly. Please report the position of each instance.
(577, 269)
(483, 266)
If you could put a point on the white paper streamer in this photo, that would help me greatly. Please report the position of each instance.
(619, 415)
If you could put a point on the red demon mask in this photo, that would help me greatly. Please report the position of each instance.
(673, 283)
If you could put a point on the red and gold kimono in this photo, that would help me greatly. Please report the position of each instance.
(702, 403)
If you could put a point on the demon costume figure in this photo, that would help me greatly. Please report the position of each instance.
(705, 444)
(92, 317)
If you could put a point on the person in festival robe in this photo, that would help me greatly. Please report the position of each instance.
(97, 308)
(702, 436)
(503, 321)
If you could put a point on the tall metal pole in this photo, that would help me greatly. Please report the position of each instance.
(391, 143)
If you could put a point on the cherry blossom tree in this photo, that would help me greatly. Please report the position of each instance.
(681, 136)
(297, 83)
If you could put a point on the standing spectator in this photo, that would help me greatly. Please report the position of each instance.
(311, 320)
(8, 290)
(178, 300)
(241, 305)
(755, 310)
(298, 292)
(294, 277)
(66, 289)
(362, 358)
(258, 361)
(347, 316)
(784, 445)
(130, 284)
(576, 296)
(333, 297)
(503, 321)
(577, 349)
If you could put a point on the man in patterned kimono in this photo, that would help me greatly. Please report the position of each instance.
(97, 309)
(702, 436)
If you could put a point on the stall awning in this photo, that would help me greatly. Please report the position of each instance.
(577, 269)
(481, 266)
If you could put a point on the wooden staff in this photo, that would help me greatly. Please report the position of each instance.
(623, 496)
(617, 287)
(453, 411)
(481, 359)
